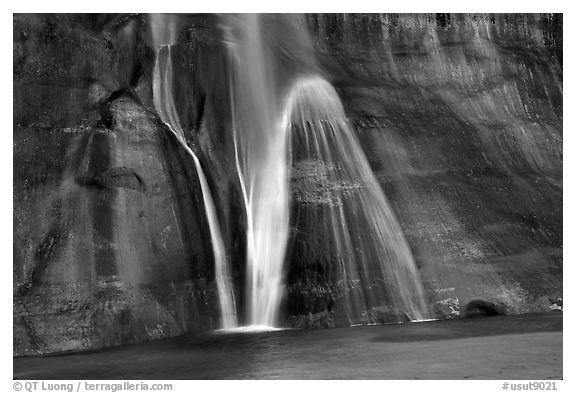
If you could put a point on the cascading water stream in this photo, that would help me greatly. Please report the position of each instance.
(261, 154)
(164, 35)
(307, 125)
(334, 175)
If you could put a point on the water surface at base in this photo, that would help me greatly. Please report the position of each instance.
(250, 329)
(518, 347)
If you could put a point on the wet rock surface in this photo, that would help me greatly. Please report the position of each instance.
(461, 120)
(109, 242)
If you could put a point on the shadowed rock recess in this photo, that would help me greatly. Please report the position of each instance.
(460, 117)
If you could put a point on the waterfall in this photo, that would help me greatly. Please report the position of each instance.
(292, 140)
(261, 160)
(164, 35)
(350, 210)
(285, 131)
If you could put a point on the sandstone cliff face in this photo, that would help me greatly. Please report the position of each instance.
(460, 117)
(110, 238)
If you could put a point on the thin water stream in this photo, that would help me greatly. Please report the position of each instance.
(164, 33)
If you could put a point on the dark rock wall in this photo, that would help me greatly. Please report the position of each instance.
(459, 115)
(111, 244)
(461, 119)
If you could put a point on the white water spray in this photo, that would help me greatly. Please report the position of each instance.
(375, 268)
(375, 263)
(261, 155)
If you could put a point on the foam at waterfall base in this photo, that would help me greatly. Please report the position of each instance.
(251, 329)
